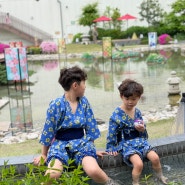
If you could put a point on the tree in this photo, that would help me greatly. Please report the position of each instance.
(176, 18)
(108, 13)
(113, 13)
(89, 13)
(151, 11)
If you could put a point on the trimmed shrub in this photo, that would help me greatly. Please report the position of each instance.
(34, 50)
(77, 37)
(3, 46)
(3, 77)
(164, 39)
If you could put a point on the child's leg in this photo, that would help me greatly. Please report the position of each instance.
(53, 172)
(137, 168)
(94, 171)
(156, 165)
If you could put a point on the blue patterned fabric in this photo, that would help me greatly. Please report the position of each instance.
(60, 116)
(123, 137)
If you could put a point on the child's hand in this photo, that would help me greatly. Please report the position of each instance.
(36, 160)
(101, 153)
(113, 153)
(139, 126)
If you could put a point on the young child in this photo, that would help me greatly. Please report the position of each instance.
(70, 129)
(127, 133)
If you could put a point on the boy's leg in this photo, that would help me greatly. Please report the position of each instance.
(94, 171)
(137, 168)
(156, 165)
(56, 168)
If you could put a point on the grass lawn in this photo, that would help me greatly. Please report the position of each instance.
(155, 130)
(81, 48)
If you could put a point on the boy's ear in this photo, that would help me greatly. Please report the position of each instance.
(74, 84)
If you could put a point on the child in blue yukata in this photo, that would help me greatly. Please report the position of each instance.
(70, 129)
(127, 133)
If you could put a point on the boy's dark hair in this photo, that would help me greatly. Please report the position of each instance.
(70, 75)
(129, 88)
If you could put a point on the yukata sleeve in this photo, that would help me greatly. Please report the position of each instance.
(139, 116)
(112, 140)
(91, 127)
(51, 123)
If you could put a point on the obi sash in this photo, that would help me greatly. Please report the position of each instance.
(69, 134)
(132, 135)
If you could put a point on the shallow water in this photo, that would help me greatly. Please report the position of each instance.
(173, 169)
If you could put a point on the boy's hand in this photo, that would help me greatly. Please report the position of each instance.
(140, 126)
(101, 153)
(113, 153)
(37, 160)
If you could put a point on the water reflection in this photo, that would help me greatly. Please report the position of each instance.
(50, 65)
(103, 77)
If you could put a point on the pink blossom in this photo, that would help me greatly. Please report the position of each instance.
(3, 46)
(48, 47)
(164, 39)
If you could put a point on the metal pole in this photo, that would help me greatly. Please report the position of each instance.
(183, 104)
(61, 17)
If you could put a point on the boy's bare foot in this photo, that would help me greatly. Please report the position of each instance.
(163, 179)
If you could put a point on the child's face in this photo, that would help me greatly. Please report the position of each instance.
(80, 90)
(130, 101)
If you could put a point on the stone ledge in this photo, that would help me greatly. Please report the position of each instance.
(168, 146)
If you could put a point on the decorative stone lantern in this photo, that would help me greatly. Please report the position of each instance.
(173, 82)
(85, 39)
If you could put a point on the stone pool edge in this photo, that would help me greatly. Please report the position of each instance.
(172, 145)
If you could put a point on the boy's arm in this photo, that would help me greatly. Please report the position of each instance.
(44, 152)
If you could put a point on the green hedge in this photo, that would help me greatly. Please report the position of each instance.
(34, 50)
(3, 78)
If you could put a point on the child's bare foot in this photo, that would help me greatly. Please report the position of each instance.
(135, 183)
(111, 182)
(163, 179)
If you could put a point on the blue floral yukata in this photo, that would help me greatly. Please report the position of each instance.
(124, 138)
(70, 135)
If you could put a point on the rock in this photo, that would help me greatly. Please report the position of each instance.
(32, 136)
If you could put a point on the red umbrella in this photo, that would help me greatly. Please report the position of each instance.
(102, 19)
(126, 17)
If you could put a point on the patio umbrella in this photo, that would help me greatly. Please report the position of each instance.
(126, 17)
(102, 19)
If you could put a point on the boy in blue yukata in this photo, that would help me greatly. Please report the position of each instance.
(70, 129)
(127, 133)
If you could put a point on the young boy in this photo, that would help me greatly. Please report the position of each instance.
(70, 129)
(127, 133)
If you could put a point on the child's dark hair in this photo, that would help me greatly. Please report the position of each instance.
(129, 88)
(70, 75)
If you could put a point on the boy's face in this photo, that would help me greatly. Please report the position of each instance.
(80, 88)
(130, 101)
